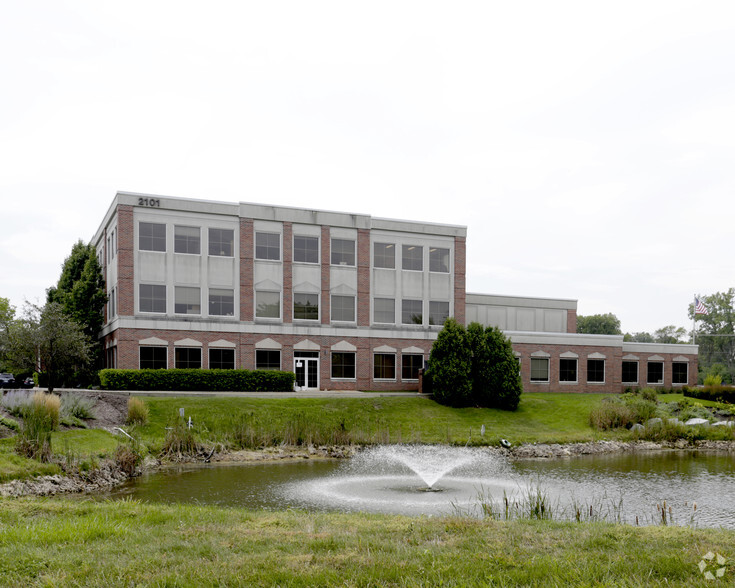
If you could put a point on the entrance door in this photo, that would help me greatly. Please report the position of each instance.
(307, 372)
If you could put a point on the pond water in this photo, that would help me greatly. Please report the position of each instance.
(620, 487)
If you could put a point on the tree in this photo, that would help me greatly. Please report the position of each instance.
(474, 367)
(599, 324)
(46, 339)
(640, 337)
(671, 334)
(81, 293)
(715, 331)
(7, 315)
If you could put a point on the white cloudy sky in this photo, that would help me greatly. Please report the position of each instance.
(589, 147)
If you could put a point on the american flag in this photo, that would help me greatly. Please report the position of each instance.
(699, 307)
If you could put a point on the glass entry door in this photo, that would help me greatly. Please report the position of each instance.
(307, 372)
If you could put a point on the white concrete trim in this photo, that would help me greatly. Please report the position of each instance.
(188, 343)
(568, 355)
(306, 345)
(384, 349)
(152, 341)
(343, 346)
(268, 344)
(412, 349)
(222, 343)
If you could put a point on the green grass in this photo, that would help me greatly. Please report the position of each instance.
(540, 418)
(13, 466)
(46, 542)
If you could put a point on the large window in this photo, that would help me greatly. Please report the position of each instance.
(410, 366)
(596, 371)
(343, 252)
(384, 255)
(268, 246)
(221, 359)
(221, 302)
(413, 258)
(630, 372)
(152, 298)
(438, 312)
(343, 308)
(539, 369)
(306, 249)
(306, 306)
(267, 359)
(411, 312)
(384, 366)
(187, 240)
(152, 237)
(679, 372)
(343, 366)
(438, 260)
(567, 370)
(188, 358)
(187, 300)
(655, 372)
(153, 358)
(221, 242)
(384, 310)
(267, 304)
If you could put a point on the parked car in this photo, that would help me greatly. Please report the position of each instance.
(29, 383)
(7, 380)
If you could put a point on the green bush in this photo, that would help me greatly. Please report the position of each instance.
(77, 406)
(714, 393)
(40, 418)
(198, 380)
(473, 367)
(641, 408)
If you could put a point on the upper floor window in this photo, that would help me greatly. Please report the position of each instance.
(187, 300)
(186, 240)
(411, 312)
(438, 312)
(413, 258)
(384, 255)
(152, 237)
(221, 242)
(438, 260)
(221, 302)
(306, 249)
(343, 308)
(306, 306)
(384, 310)
(343, 252)
(152, 298)
(268, 246)
(267, 304)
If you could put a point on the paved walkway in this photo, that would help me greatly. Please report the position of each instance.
(299, 394)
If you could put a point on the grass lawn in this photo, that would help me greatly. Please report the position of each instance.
(47, 542)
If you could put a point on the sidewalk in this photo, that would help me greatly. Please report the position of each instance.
(299, 394)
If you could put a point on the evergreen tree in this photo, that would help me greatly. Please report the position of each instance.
(450, 365)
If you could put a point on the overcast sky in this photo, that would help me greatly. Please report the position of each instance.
(589, 147)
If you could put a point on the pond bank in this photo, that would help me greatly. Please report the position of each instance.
(109, 474)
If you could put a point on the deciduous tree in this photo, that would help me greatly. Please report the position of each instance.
(599, 324)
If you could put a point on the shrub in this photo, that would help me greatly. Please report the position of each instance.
(16, 402)
(715, 393)
(77, 406)
(127, 459)
(198, 380)
(179, 441)
(611, 414)
(137, 411)
(641, 408)
(450, 366)
(713, 380)
(649, 394)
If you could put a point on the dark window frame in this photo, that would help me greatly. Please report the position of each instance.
(344, 365)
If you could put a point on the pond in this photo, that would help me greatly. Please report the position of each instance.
(629, 487)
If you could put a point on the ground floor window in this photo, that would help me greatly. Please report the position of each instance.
(153, 358)
(111, 357)
(679, 372)
(410, 366)
(384, 366)
(343, 365)
(655, 372)
(567, 370)
(267, 359)
(188, 358)
(596, 371)
(222, 359)
(630, 372)
(539, 369)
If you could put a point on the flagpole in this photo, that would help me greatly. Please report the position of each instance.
(694, 322)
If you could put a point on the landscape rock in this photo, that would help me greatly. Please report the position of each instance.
(694, 422)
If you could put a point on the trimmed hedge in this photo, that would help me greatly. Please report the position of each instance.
(715, 393)
(190, 380)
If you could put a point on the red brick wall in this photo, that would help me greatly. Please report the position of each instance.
(460, 295)
(571, 321)
(363, 278)
(247, 256)
(325, 304)
(125, 261)
(287, 272)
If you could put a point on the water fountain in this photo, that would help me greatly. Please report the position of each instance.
(409, 479)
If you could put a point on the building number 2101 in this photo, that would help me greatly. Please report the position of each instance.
(153, 202)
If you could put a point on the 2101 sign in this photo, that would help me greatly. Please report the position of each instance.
(150, 202)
